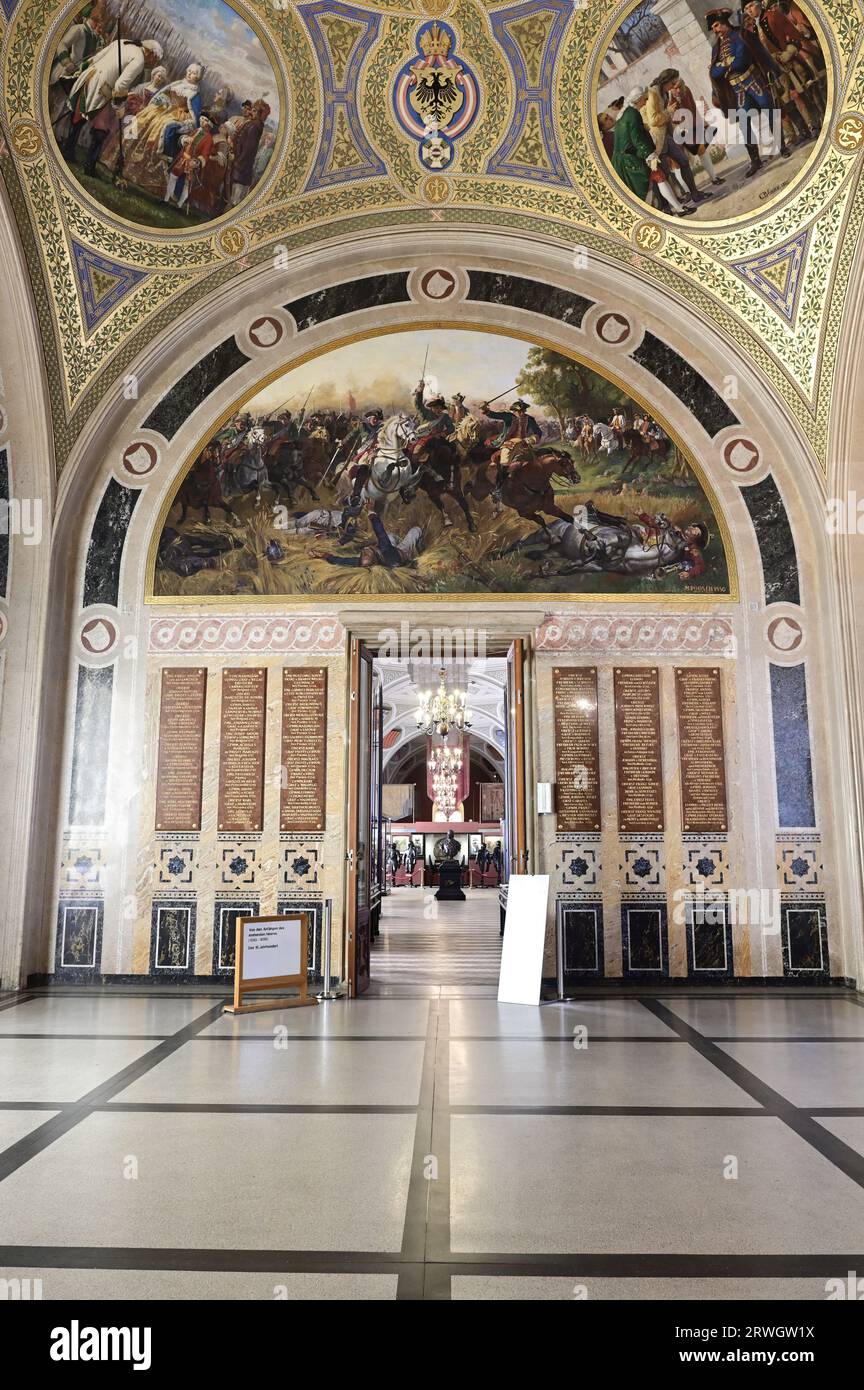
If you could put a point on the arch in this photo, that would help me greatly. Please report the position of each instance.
(608, 290)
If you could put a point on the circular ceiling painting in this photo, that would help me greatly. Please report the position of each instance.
(165, 114)
(711, 113)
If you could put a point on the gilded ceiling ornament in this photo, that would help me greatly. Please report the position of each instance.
(649, 236)
(437, 189)
(849, 133)
(231, 241)
(26, 140)
(785, 316)
(436, 96)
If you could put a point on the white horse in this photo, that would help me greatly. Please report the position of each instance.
(604, 439)
(391, 470)
(592, 548)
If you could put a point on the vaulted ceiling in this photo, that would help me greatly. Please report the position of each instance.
(774, 281)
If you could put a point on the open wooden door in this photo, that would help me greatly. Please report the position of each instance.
(517, 825)
(360, 847)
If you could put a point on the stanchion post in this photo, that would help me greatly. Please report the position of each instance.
(327, 993)
(559, 943)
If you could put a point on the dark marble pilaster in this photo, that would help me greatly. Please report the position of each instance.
(793, 760)
(693, 391)
(91, 735)
(369, 292)
(105, 551)
(194, 387)
(775, 541)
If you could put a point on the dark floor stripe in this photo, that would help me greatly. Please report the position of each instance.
(32, 1144)
(312, 1038)
(649, 1266)
(416, 1206)
(15, 1002)
(210, 1261)
(632, 1265)
(827, 1144)
(682, 1110)
(87, 1037)
(438, 1236)
(205, 1108)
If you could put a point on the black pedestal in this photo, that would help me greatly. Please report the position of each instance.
(450, 882)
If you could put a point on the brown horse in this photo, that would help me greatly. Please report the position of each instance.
(201, 489)
(296, 464)
(441, 475)
(642, 446)
(528, 489)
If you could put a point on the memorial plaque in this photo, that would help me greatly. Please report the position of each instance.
(304, 748)
(181, 748)
(701, 753)
(638, 756)
(241, 750)
(577, 751)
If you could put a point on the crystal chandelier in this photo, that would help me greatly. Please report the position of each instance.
(445, 760)
(444, 786)
(441, 710)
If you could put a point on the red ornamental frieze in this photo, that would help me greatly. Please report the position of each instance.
(706, 635)
(222, 634)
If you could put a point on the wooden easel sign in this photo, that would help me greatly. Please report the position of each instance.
(270, 954)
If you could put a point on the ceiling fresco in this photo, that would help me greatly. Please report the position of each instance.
(437, 114)
(163, 119)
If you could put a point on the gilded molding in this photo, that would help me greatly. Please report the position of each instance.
(795, 352)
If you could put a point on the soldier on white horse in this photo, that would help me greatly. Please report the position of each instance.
(385, 470)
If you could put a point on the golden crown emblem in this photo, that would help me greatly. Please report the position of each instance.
(436, 41)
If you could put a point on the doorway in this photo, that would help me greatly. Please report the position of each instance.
(437, 816)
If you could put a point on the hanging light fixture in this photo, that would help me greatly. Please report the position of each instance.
(441, 710)
(445, 760)
(444, 787)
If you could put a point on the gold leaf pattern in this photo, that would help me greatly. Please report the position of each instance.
(691, 262)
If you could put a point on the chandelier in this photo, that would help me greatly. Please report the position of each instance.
(441, 710)
(444, 787)
(445, 760)
(445, 766)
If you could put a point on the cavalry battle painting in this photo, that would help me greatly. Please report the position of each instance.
(441, 462)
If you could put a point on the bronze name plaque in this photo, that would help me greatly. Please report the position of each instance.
(241, 750)
(577, 750)
(699, 702)
(181, 748)
(304, 748)
(638, 755)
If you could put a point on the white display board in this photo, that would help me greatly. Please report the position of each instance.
(272, 949)
(524, 937)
